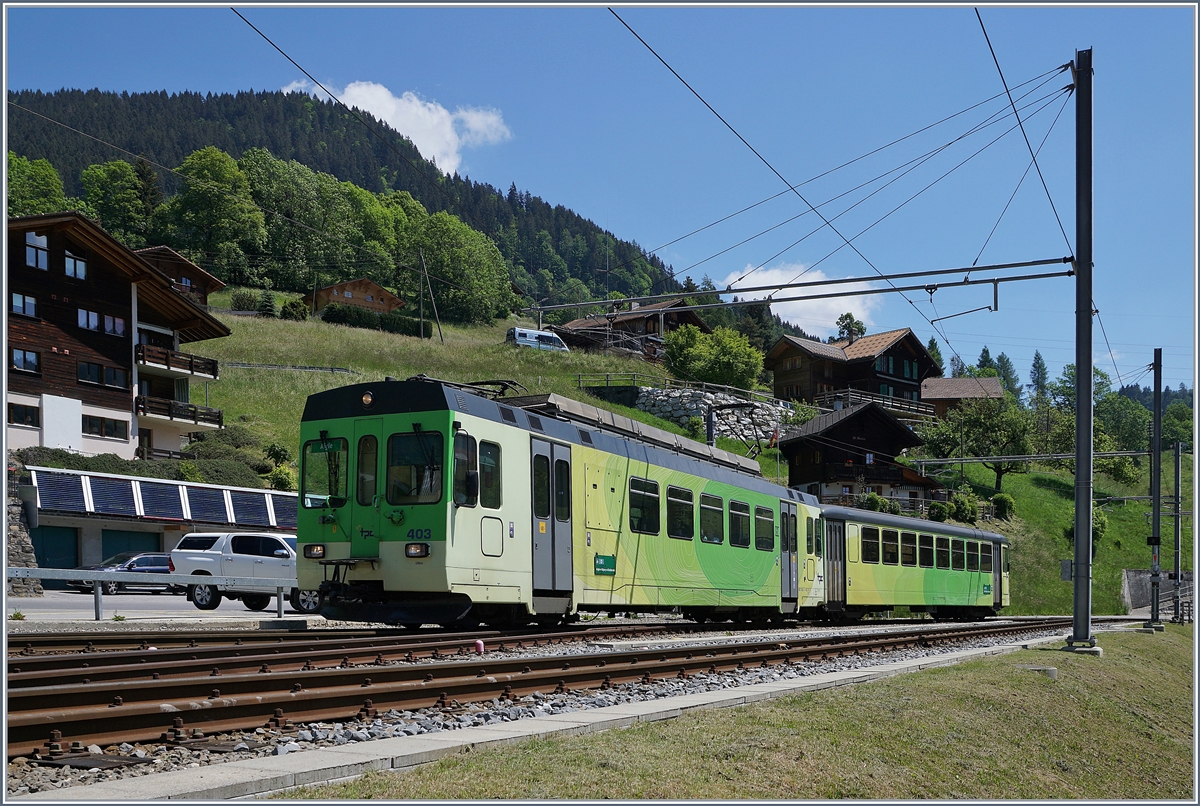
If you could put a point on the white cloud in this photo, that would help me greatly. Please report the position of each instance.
(299, 86)
(439, 134)
(817, 317)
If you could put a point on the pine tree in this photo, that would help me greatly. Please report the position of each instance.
(934, 351)
(1008, 374)
(985, 359)
(957, 368)
(1039, 376)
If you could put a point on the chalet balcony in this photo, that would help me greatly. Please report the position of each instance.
(862, 474)
(201, 418)
(169, 363)
(162, 453)
(899, 406)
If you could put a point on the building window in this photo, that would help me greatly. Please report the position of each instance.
(186, 282)
(105, 427)
(347, 295)
(26, 360)
(89, 320)
(24, 304)
(76, 266)
(89, 372)
(370, 298)
(115, 376)
(114, 325)
(37, 251)
(19, 414)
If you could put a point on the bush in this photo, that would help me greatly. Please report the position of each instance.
(405, 325)
(696, 429)
(349, 315)
(243, 299)
(1099, 527)
(295, 310)
(939, 511)
(229, 472)
(965, 507)
(1005, 505)
(234, 435)
(873, 502)
(281, 478)
(893, 507)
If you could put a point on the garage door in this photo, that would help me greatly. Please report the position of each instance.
(115, 541)
(55, 547)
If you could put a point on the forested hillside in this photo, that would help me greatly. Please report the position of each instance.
(311, 161)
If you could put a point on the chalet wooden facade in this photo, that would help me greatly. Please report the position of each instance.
(186, 277)
(640, 329)
(851, 452)
(949, 393)
(886, 368)
(93, 337)
(360, 293)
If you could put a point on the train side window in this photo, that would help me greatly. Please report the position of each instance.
(985, 557)
(793, 533)
(808, 542)
(908, 548)
(956, 555)
(465, 457)
(712, 519)
(541, 486)
(943, 552)
(739, 524)
(764, 529)
(562, 490)
(323, 473)
(820, 535)
(643, 506)
(925, 552)
(368, 461)
(891, 547)
(414, 468)
(972, 555)
(489, 475)
(870, 544)
(681, 513)
(1004, 559)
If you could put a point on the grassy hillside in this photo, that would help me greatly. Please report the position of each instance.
(270, 402)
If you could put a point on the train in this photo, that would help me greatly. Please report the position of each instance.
(426, 501)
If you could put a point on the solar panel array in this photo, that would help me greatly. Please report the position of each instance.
(101, 494)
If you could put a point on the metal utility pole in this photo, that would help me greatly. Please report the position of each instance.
(1155, 539)
(1082, 621)
(1178, 517)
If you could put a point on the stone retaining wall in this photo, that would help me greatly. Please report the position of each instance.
(19, 547)
(680, 405)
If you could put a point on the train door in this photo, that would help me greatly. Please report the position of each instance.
(364, 497)
(997, 578)
(835, 565)
(552, 571)
(789, 585)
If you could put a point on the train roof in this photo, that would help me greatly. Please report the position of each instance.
(909, 524)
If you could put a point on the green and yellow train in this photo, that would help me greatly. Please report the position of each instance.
(424, 501)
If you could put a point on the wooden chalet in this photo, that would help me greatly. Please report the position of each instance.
(949, 393)
(886, 368)
(94, 332)
(851, 451)
(640, 329)
(360, 293)
(186, 277)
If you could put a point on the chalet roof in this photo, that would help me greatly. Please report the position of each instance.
(864, 348)
(822, 424)
(155, 290)
(382, 292)
(960, 388)
(214, 282)
(640, 312)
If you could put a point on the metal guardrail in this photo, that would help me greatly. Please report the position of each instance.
(242, 365)
(660, 382)
(281, 585)
(825, 400)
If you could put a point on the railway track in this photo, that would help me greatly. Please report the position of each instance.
(187, 701)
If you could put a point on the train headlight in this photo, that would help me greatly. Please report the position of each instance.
(416, 550)
(314, 551)
(367, 399)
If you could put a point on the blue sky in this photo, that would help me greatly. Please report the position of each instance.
(569, 105)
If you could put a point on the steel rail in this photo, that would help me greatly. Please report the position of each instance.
(239, 702)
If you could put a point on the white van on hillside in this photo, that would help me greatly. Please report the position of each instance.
(537, 339)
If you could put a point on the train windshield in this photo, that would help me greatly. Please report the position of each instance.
(414, 468)
(324, 472)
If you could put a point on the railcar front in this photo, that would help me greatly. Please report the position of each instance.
(395, 476)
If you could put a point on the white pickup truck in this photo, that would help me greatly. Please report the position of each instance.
(241, 554)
